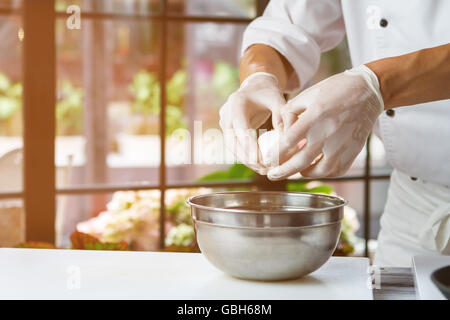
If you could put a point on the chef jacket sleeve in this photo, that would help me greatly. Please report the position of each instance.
(300, 30)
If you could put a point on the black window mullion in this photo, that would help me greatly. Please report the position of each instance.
(162, 122)
(367, 183)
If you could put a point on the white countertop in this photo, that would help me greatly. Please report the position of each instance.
(424, 266)
(77, 274)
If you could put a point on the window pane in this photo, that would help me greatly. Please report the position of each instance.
(108, 103)
(353, 192)
(202, 72)
(10, 4)
(125, 7)
(130, 217)
(11, 132)
(230, 8)
(12, 222)
(208, 67)
(379, 163)
(378, 194)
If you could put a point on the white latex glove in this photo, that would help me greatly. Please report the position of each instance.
(248, 109)
(268, 143)
(327, 125)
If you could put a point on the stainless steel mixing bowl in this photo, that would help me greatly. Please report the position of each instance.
(267, 235)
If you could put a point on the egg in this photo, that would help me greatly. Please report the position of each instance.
(268, 143)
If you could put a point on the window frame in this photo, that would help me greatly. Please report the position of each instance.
(39, 188)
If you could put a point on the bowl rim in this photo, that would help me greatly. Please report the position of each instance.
(312, 226)
(190, 202)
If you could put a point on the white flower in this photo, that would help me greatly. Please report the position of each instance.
(121, 200)
(181, 235)
(133, 216)
(351, 218)
(350, 224)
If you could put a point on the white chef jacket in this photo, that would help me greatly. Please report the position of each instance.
(417, 138)
(415, 221)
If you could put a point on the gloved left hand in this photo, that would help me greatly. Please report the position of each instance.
(327, 125)
(245, 111)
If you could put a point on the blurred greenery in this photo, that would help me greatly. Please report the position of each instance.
(180, 235)
(179, 212)
(147, 97)
(69, 109)
(176, 88)
(236, 171)
(305, 187)
(336, 60)
(10, 106)
(146, 90)
(239, 171)
(61, 5)
(248, 5)
(10, 96)
(225, 79)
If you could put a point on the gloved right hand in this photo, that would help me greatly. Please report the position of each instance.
(245, 111)
(327, 125)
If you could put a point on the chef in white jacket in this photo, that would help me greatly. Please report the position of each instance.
(399, 88)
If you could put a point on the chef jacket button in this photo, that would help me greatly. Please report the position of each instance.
(413, 178)
(383, 23)
(390, 112)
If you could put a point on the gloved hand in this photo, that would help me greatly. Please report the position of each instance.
(327, 125)
(248, 109)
